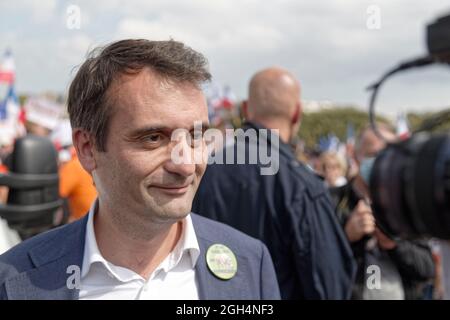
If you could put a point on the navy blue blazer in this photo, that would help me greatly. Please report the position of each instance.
(38, 267)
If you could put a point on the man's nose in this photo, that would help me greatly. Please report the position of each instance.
(182, 169)
(181, 160)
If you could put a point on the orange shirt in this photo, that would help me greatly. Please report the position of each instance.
(3, 190)
(76, 185)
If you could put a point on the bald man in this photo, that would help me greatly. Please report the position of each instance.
(274, 102)
(289, 209)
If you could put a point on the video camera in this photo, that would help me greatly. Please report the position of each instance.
(410, 180)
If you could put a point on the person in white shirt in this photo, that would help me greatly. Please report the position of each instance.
(174, 278)
(8, 237)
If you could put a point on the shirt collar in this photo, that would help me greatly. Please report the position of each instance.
(186, 245)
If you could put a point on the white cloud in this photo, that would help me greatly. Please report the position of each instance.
(73, 49)
(325, 43)
(238, 37)
(155, 30)
(41, 10)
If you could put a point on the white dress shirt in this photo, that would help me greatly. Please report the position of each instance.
(8, 237)
(173, 279)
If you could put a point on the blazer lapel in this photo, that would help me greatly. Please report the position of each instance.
(209, 286)
(204, 280)
(52, 258)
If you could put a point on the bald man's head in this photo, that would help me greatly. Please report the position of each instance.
(273, 93)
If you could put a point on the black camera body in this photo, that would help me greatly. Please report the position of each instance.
(410, 180)
(410, 187)
(438, 38)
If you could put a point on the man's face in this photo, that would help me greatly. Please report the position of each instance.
(136, 173)
(371, 144)
(369, 147)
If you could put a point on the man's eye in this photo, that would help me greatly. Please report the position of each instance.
(196, 139)
(197, 136)
(156, 137)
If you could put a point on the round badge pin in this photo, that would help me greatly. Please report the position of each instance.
(221, 261)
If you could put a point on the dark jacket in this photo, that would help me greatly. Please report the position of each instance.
(290, 211)
(39, 268)
(413, 259)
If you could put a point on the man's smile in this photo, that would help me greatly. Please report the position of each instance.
(172, 189)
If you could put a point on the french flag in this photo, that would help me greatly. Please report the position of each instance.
(350, 141)
(11, 118)
(228, 98)
(402, 127)
(7, 68)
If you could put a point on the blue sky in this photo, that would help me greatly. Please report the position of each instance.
(325, 43)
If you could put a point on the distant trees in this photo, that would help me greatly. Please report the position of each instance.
(442, 117)
(332, 121)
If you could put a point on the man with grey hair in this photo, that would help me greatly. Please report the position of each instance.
(139, 240)
(289, 210)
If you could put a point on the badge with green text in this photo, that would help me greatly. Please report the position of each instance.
(221, 261)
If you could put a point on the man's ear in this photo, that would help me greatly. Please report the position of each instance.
(84, 146)
(297, 114)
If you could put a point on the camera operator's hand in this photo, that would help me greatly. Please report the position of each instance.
(360, 223)
(384, 241)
